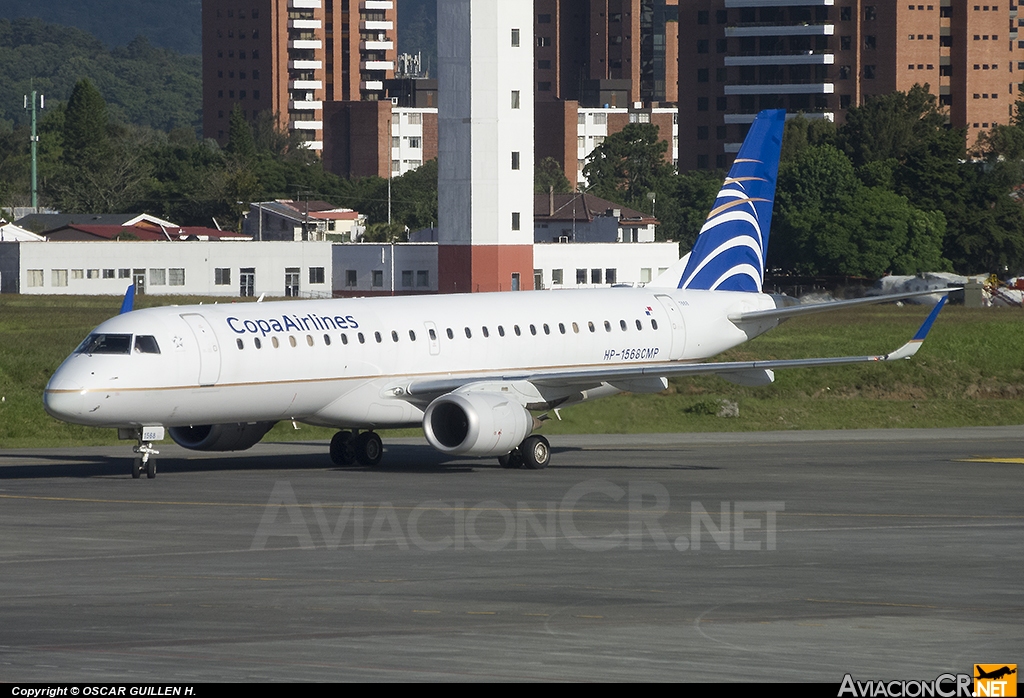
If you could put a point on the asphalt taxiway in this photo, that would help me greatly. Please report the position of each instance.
(716, 557)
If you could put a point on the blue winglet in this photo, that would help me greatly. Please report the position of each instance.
(911, 347)
(923, 331)
(128, 304)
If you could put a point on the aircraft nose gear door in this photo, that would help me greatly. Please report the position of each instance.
(209, 349)
(678, 328)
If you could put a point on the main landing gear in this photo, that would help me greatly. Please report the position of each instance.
(533, 454)
(144, 461)
(348, 447)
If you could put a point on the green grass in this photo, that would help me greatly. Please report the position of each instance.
(970, 372)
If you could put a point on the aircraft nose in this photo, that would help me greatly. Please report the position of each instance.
(63, 398)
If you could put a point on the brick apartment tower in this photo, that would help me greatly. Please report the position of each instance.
(485, 145)
(822, 56)
(290, 56)
(600, 53)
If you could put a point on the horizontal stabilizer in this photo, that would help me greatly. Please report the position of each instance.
(786, 311)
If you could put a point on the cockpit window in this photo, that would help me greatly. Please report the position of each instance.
(146, 344)
(106, 344)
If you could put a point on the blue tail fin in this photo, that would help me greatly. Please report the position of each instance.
(730, 251)
(128, 304)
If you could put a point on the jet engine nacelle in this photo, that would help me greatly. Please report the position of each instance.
(476, 424)
(220, 437)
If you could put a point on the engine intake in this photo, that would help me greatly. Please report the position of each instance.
(476, 424)
(220, 437)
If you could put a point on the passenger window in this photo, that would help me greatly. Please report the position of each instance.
(533, 330)
(327, 339)
(451, 335)
(547, 330)
(412, 336)
(607, 326)
(239, 343)
(638, 325)
(362, 339)
(575, 328)
(376, 335)
(591, 326)
(654, 324)
(433, 335)
(394, 336)
(561, 328)
(501, 331)
(518, 333)
(486, 333)
(344, 338)
(309, 339)
(273, 340)
(256, 341)
(146, 344)
(622, 324)
(469, 333)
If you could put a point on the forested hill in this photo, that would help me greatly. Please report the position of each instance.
(142, 84)
(174, 25)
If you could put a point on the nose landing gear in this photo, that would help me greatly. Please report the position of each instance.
(144, 462)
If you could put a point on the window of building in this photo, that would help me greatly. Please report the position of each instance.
(595, 276)
(869, 12)
(581, 276)
(316, 275)
(556, 277)
(407, 278)
(543, 41)
(870, 42)
(222, 276)
(515, 99)
(869, 72)
(515, 37)
(80, 273)
(515, 159)
(108, 273)
(378, 278)
(291, 282)
(246, 281)
(157, 277)
(515, 220)
(176, 277)
(600, 118)
(610, 275)
(544, 87)
(422, 278)
(34, 277)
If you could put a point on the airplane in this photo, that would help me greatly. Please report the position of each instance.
(471, 369)
(995, 674)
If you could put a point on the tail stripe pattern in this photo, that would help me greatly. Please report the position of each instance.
(730, 251)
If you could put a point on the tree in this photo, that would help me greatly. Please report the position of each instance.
(240, 140)
(628, 165)
(548, 175)
(85, 127)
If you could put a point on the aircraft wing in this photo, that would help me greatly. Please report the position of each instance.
(735, 370)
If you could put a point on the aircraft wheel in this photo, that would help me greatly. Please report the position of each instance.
(513, 459)
(342, 452)
(536, 452)
(369, 449)
(151, 468)
(137, 468)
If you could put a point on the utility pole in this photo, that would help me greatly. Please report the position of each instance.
(34, 139)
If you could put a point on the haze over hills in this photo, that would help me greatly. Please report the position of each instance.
(177, 25)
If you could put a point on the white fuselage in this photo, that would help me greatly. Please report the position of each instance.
(349, 362)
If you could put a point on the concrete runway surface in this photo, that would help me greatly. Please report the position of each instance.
(791, 556)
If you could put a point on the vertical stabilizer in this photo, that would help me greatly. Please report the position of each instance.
(730, 251)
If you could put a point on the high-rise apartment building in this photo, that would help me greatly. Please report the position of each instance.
(290, 56)
(606, 52)
(820, 57)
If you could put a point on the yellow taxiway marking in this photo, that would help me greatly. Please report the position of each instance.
(870, 603)
(1016, 461)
